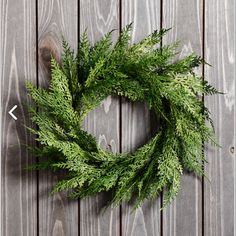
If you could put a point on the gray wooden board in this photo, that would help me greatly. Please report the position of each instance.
(137, 122)
(219, 193)
(57, 214)
(184, 215)
(99, 17)
(18, 186)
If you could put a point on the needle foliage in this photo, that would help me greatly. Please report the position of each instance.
(145, 72)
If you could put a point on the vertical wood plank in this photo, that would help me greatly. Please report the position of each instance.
(220, 192)
(184, 215)
(56, 18)
(18, 64)
(99, 17)
(137, 125)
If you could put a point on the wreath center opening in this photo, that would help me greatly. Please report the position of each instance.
(121, 125)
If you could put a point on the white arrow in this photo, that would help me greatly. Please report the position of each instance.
(11, 114)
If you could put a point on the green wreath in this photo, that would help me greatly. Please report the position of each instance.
(145, 72)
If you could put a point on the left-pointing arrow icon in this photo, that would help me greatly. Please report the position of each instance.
(11, 112)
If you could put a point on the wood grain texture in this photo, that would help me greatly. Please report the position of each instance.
(138, 124)
(56, 18)
(18, 186)
(184, 215)
(189, 214)
(220, 192)
(99, 17)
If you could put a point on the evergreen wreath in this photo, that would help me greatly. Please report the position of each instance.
(144, 71)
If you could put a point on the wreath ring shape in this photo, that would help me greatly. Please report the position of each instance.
(145, 72)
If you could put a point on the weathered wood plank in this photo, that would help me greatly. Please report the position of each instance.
(18, 64)
(184, 215)
(137, 122)
(57, 214)
(99, 17)
(220, 192)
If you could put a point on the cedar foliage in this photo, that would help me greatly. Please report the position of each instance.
(143, 71)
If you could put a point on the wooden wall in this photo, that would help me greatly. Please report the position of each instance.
(30, 31)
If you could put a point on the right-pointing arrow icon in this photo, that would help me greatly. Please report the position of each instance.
(11, 112)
